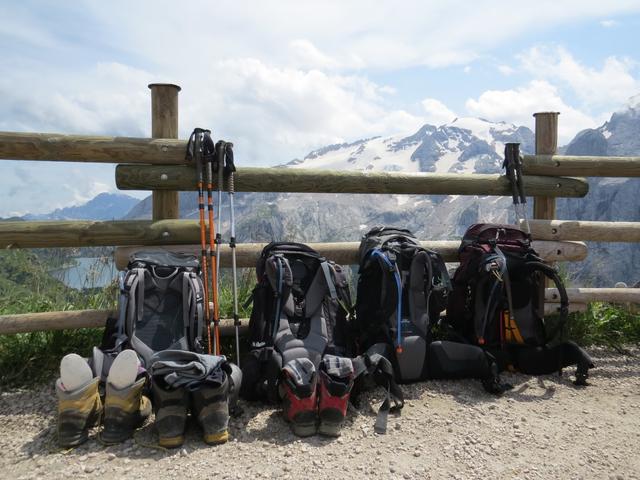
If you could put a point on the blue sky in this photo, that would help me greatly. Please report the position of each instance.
(282, 78)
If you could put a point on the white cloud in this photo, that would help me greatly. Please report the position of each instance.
(275, 114)
(307, 55)
(437, 113)
(506, 70)
(354, 34)
(608, 23)
(519, 104)
(613, 84)
(467, 69)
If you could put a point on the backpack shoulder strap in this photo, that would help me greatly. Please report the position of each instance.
(552, 274)
(192, 310)
(134, 288)
(389, 265)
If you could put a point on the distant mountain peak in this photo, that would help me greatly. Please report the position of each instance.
(464, 145)
(104, 206)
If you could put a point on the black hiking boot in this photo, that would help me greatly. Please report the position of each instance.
(170, 406)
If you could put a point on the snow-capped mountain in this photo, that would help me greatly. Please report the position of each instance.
(465, 145)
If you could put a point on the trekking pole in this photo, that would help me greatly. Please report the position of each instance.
(517, 159)
(229, 170)
(194, 152)
(209, 151)
(513, 167)
(218, 168)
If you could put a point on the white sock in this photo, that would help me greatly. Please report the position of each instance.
(124, 370)
(75, 372)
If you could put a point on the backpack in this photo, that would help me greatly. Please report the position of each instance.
(161, 304)
(402, 289)
(302, 313)
(498, 301)
(301, 309)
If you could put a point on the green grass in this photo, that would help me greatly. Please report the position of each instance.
(605, 324)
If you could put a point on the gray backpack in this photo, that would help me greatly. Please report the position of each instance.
(161, 303)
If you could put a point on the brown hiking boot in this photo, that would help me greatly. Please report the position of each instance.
(77, 412)
(210, 405)
(124, 411)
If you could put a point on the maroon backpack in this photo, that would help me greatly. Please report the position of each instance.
(498, 295)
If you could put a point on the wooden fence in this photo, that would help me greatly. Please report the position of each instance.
(159, 164)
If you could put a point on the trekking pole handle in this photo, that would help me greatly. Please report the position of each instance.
(510, 150)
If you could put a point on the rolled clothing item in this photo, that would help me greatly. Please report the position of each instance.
(181, 368)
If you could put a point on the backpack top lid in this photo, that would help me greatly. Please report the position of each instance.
(500, 234)
(380, 236)
(287, 249)
(163, 258)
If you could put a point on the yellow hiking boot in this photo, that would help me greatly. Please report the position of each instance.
(78, 411)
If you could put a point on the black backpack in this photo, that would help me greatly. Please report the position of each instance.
(402, 289)
(498, 302)
(301, 308)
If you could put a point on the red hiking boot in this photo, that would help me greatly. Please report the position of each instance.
(299, 391)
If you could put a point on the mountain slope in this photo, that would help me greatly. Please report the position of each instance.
(105, 206)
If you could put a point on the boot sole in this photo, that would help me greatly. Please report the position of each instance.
(68, 441)
(216, 438)
(330, 429)
(171, 442)
(304, 430)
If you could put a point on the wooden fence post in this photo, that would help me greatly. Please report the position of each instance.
(164, 124)
(546, 144)
(544, 208)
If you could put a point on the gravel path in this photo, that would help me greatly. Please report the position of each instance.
(544, 428)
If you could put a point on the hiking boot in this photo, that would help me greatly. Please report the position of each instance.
(124, 411)
(210, 405)
(170, 406)
(78, 410)
(299, 391)
(334, 399)
(336, 381)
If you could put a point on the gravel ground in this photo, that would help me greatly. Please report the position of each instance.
(544, 428)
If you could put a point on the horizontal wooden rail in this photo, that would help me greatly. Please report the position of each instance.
(346, 253)
(583, 166)
(554, 308)
(168, 151)
(183, 178)
(585, 230)
(588, 295)
(49, 234)
(73, 319)
(36, 322)
(84, 148)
